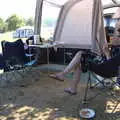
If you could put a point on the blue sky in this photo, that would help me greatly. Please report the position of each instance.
(24, 8)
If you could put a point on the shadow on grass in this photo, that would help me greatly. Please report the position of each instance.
(45, 100)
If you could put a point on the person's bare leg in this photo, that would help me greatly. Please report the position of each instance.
(74, 85)
(76, 79)
(75, 62)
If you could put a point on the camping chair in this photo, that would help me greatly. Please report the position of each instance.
(97, 65)
(2, 62)
(15, 56)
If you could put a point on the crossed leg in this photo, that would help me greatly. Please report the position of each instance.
(73, 65)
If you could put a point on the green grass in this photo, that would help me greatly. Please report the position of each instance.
(7, 36)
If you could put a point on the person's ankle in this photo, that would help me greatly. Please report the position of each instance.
(61, 74)
(72, 89)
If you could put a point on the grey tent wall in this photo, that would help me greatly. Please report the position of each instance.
(60, 24)
(97, 27)
(38, 16)
(98, 31)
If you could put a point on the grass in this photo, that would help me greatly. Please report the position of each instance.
(45, 98)
(7, 36)
(46, 33)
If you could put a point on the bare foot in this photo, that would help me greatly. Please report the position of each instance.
(70, 91)
(58, 76)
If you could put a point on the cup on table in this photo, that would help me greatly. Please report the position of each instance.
(36, 39)
(30, 42)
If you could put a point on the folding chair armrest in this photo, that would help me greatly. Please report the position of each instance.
(29, 55)
(32, 62)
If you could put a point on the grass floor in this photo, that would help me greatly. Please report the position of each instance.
(45, 99)
(7, 36)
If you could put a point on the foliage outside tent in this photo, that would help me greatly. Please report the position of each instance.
(13, 22)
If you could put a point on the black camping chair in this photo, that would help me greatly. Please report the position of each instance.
(2, 62)
(15, 56)
(98, 65)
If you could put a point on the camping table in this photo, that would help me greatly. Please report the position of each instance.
(48, 45)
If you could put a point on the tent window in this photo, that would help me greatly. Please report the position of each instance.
(106, 2)
(50, 15)
(110, 10)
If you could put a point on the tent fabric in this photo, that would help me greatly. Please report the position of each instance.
(105, 3)
(98, 31)
(117, 14)
(38, 16)
(76, 18)
(62, 17)
(117, 26)
(81, 25)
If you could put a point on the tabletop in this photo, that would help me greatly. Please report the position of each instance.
(47, 45)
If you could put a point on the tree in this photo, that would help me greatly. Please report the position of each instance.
(30, 21)
(5, 28)
(2, 24)
(14, 22)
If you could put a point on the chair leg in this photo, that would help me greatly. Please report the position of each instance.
(99, 81)
(89, 84)
(86, 89)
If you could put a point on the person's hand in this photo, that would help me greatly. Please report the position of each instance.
(105, 47)
(106, 50)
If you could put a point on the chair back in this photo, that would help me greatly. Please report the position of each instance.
(14, 51)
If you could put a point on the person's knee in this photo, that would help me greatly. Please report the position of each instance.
(78, 66)
(79, 53)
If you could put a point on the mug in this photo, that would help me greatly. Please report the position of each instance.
(36, 39)
(30, 42)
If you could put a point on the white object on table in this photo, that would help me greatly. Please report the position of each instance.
(36, 39)
(30, 42)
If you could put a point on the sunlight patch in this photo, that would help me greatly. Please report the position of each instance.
(112, 106)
